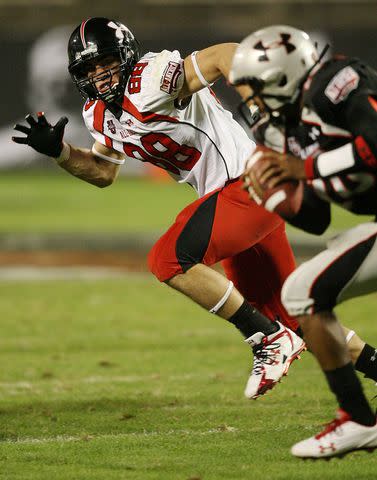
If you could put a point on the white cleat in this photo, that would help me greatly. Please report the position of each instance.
(273, 355)
(339, 437)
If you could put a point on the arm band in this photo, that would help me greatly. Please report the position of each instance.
(105, 157)
(199, 74)
(335, 161)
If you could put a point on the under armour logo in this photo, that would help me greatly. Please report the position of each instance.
(314, 133)
(118, 30)
(325, 448)
(373, 358)
(283, 42)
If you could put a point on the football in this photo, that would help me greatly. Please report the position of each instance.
(285, 199)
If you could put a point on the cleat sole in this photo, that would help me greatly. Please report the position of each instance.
(340, 456)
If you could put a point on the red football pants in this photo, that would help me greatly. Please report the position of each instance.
(226, 226)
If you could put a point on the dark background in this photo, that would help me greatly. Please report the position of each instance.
(33, 75)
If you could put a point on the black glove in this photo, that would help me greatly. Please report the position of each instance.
(41, 135)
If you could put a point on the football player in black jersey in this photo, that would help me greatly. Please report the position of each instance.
(320, 120)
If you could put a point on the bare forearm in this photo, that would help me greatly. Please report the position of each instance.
(82, 163)
(223, 56)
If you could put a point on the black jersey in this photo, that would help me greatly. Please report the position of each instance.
(336, 134)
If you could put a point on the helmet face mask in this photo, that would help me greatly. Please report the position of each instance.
(87, 80)
(91, 42)
(275, 62)
(279, 108)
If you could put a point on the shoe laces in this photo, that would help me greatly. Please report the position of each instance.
(332, 426)
(265, 354)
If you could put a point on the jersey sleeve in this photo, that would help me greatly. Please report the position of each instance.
(314, 215)
(90, 116)
(93, 115)
(348, 99)
(163, 81)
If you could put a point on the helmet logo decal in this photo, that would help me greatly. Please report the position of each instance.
(118, 31)
(111, 126)
(283, 42)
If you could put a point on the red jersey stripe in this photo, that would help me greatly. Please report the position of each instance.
(99, 117)
(145, 117)
(109, 142)
(88, 104)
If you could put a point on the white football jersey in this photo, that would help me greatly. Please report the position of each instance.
(198, 142)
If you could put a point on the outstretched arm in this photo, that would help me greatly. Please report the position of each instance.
(98, 166)
(91, 165)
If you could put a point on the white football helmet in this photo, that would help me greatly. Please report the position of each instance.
(274, 61)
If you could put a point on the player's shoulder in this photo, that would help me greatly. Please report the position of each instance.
(89, 106)
(155, 80)
(161, 69)
(335, 81)
(330, 88)
(93, 112)
(88, 110)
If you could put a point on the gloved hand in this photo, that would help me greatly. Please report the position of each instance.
(41, 135)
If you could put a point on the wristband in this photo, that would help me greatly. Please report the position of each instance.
(64, 154)
(309, 168)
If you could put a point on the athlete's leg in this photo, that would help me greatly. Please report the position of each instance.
(273, 260)
(345, 270)
(218, 226)
(363, 355)
(259, 274)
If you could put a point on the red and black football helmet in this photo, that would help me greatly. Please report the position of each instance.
(98, 38)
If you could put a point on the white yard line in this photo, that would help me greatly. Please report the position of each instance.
(37, 273)
(144, 433)
(30, 385)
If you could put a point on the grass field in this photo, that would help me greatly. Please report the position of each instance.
(45, 202)
(123, 379)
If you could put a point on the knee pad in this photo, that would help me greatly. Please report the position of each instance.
(300, 296)
(295, 297)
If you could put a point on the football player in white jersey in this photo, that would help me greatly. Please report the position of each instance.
(322, 118)
(159, 108)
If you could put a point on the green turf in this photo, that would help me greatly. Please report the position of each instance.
(124, 379)
(38, 202)
(49, 201)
